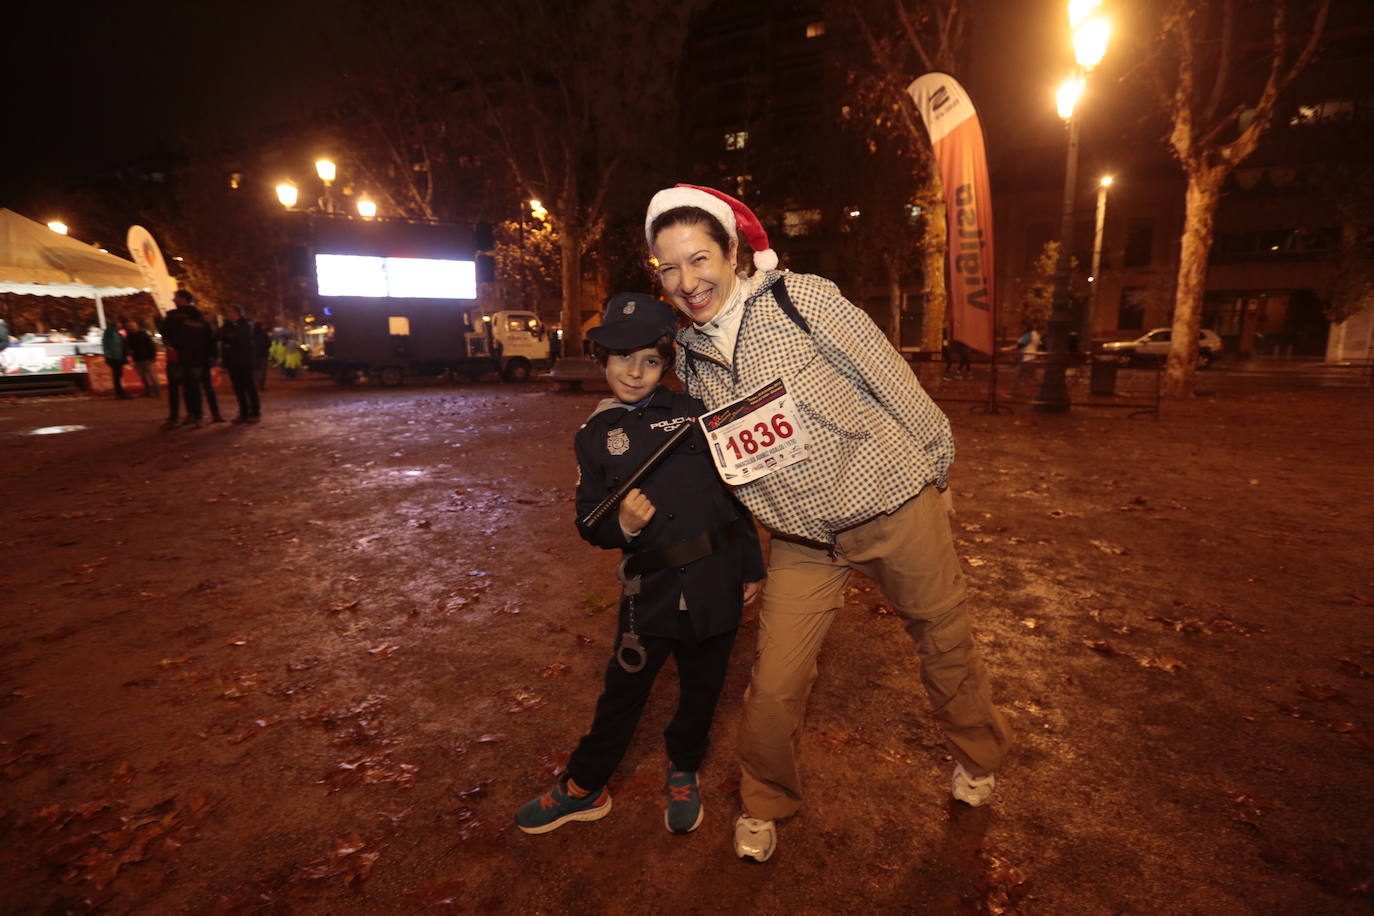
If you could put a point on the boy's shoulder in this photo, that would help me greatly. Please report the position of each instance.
(604, 405)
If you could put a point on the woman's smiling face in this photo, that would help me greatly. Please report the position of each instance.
(697, 275)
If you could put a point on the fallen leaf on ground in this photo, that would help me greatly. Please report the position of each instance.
(1107, 547)
(383, 650)
(477, 791)
(1002, 885)
(1100, 645)
(346, 606)
(1353, 668)
(438, 893)
(524, 699)
(1319, 692)
(557, 669)
(1162, 662)
(352, 859)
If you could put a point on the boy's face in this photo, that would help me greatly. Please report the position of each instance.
(633, 376)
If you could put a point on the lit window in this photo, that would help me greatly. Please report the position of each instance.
(741, 184)
(815, 29)
(801, 222)
(737, 139)
(235, 180)
(398, 326)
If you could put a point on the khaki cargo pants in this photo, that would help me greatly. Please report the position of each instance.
(910, 555)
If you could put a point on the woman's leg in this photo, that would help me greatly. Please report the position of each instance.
(804, 589)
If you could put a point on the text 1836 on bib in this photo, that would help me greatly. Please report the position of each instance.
(756, 435)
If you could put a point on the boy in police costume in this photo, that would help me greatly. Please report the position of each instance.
(692, 560)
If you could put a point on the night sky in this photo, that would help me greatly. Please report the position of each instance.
(93, 86)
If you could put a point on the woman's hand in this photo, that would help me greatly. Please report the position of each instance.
(635, 512)
(751, 590)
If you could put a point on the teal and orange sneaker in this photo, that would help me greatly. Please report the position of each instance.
(684, 811)
(556, 807)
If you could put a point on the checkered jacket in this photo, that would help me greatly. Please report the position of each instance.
(877, 438)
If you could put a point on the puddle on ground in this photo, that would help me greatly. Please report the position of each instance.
(54, 430)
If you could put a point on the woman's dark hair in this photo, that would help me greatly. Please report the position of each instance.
(691, 216)
(665, 345)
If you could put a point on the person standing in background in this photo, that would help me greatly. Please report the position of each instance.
(143, 352)
(236, 353)
(112, 345)
(262, 344)
(190, 349)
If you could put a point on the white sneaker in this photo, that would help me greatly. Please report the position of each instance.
(755, 839)
(970, 790)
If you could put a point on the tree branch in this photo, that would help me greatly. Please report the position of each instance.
(1223, 60)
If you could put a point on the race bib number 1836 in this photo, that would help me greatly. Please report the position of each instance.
(756, 435)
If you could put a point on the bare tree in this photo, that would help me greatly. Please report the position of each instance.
(527, 260)
(906, 38)
(1197, 49)
(232, 237)
(569, 94)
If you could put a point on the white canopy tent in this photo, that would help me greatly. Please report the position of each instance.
(35, 261)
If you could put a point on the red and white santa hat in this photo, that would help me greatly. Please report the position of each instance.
(737, 218)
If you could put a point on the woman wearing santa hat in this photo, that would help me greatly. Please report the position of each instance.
(855, 459)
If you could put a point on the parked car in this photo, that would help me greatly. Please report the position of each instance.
(1156, 344)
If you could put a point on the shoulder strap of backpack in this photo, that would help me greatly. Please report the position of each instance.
(691, 360)
(789, 308)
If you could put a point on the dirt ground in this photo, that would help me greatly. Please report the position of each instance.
(315, 665)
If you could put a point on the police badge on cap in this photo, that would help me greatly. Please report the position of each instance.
(634, 320)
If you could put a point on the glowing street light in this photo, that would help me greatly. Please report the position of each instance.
(287, 194)
(367, 209)
(1090, 41)
(326, 169)
(537, 210)
(1070, 91)
(1080, 10)
(58, 226)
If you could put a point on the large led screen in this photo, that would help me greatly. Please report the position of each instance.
(395, 278)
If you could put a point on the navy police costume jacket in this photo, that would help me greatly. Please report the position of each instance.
(689, 499)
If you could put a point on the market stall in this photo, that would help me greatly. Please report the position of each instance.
(35, 261)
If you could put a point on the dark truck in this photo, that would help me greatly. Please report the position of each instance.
(394, 298)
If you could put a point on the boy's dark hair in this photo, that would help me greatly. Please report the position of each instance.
(665, 345)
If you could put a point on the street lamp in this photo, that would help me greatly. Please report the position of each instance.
(287, 194)
(326, 170)
(1090, 34)
(537, 210)
(58, 226)
(367, 209)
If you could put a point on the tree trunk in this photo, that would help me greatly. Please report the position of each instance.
(894, 301)
(570, 258)
(934, 259)
(1204, 189)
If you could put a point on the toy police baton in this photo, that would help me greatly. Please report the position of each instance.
(603, 508)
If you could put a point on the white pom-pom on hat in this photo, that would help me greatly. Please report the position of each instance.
(736, 218)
